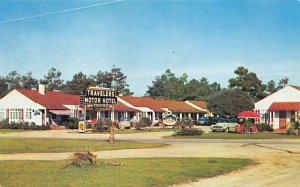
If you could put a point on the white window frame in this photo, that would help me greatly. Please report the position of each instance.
(28, 113)
(15, 113)
(2, 114)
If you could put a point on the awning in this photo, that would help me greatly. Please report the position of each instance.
(248, 114)
(285, 106)
(61, 112)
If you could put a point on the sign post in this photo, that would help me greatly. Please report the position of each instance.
(101, 98)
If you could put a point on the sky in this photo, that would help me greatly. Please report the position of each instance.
(202, 38)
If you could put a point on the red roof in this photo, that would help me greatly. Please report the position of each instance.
(177, 106)
(51, 100)
(120, 107)
(143, 102)
(248, 114)
(296, 87)
(293, 106)
(201, 104)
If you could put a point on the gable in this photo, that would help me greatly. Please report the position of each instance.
(15, 99)
(51, 100)
(287, 94)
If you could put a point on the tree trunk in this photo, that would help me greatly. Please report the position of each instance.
(112, 133)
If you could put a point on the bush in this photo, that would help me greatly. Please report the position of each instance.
(184, 123)
(32, 126)
(293, 129)
(71, 123)
(264, 127)
(3, 124)
(188, 132)
(22, 125)
(144, 122)
(102, 125)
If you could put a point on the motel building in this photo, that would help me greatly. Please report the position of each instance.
(38, 106)
(44, 107)
(280, 108)
(137, 107)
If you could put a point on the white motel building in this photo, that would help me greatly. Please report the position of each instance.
(280, 108)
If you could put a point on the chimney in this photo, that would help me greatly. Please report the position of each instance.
(42, 89)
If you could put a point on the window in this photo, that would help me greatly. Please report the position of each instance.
(15, 114)
(28, 113)
(2, 114)
(293, 116)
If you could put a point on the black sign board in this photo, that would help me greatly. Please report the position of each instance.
(82, 99)
(99, 97)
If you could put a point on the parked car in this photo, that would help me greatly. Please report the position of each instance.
(124, 122)
(224, 125)
(206, 121)
(156, 121)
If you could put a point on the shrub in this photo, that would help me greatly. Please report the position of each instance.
(22, 125)
(32, 126)
(264, 127)
(71, 123)
(293, 129)
(184, 123)
(144, 122)
(188, 132)
(4, 124)
(102, 125)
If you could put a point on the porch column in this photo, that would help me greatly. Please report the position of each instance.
(138, 116)
(153, 116)
(112, 115)
(180, 115)
(189, 115)
(197, 116)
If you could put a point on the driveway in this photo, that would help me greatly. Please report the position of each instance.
(278, 161)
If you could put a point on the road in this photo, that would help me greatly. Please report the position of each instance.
(278, 161)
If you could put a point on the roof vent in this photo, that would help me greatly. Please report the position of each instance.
(42, 89)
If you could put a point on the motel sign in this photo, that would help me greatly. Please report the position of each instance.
(99, 96)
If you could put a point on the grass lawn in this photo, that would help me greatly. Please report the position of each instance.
(11, 145)
(222, 135)
(132, 172)
(6, 131)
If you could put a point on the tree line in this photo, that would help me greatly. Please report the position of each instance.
(53, 81)
(242, 92)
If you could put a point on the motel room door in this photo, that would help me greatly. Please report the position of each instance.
(282, 119)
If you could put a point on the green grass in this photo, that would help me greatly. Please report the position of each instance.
(133, 172)
(6, 131)
(222, 135)
(11, 145)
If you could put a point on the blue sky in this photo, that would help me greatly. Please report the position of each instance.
(201, 38)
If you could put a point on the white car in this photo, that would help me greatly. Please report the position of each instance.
(222, 126)
(124, 122)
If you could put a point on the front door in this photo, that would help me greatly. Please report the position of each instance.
(282, 119)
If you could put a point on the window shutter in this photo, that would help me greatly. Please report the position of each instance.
(7, 114)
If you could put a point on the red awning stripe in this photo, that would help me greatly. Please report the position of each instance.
(61, 112)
